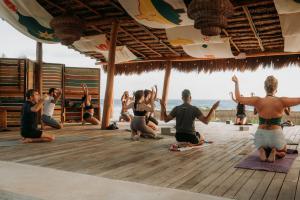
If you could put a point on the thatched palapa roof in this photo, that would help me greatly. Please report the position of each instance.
(264, 46)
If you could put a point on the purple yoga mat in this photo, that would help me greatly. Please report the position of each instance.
(280, 165)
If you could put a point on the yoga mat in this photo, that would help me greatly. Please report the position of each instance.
(175, 147)
(280, 165)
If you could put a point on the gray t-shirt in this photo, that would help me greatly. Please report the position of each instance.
(185, 118)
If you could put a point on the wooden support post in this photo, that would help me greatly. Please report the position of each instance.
(62, 98)
(99, 97)
(166, 85)
(39, 72)
(4, 118)
(39, 64)
(108, 100)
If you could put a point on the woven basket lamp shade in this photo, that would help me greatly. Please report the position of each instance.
(210, 16)
(68, 28)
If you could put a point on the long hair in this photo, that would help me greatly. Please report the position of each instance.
(137, 97)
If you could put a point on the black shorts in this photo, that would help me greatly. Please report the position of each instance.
(87, 115)
(241, 116)
(187, 137)
(34, 133)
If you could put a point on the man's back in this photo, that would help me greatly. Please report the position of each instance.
(185, 115)
(29, 118)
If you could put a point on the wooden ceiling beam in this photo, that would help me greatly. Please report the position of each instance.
(240, 3)
(137, 52)
(231, 41)
(138, 41)
(120, 28)
(88, 7)
(55, 5)
(120, 43)
(252, 26)
(158, 39)
(188, 58)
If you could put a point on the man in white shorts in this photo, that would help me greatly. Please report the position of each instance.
(49, 105)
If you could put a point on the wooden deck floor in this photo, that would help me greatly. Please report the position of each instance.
(210, 170)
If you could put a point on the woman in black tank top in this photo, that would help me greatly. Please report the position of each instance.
(241, 117)
(138, 124)
(88, 108)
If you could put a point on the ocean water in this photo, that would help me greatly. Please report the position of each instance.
(202, 104)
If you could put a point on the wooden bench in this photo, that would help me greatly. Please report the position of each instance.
(4, 116)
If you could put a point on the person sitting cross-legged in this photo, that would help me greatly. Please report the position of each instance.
(185, 115)
(29, 119)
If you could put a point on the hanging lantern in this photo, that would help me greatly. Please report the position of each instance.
(210, 16)
(68, 28)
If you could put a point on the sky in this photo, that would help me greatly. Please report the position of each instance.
(217, 85)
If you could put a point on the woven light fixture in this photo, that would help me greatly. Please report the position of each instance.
(210, 16)
(68, 28)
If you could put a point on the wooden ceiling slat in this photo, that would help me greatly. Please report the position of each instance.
(98, 19)
(231, 41)
(138, 41)
(154, 36)
(252, 25)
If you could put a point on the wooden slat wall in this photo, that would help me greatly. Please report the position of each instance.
(53, 78)
(73, 77)
(12, 87)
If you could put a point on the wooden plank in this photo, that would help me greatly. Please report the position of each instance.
(289, 186)
(275, 186)
(263, 186)
(247, 190)
(233, 190)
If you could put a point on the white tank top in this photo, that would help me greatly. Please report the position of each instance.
(49, 107)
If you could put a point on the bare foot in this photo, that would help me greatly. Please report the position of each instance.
(135, 136)
(262, 154)
(272, 155)
(26, 140)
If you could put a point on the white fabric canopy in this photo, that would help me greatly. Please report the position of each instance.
(29, 18)
(99, 43)
(158, 14)
(287, 6)
(187, 35)
(289, 15)
(213, 50)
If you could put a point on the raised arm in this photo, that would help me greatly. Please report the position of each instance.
(165, 117)
(251, 101)
(289, 102)
(123, 98)
(206, 119)
(39, 105)
(155, 96)
(232, 97)
(130, 105)
(85, 89)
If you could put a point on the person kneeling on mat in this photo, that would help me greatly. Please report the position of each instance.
(185, 115)
(29, 120)
(49, 106)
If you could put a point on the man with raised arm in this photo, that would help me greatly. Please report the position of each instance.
(185, 115)
(29, 120)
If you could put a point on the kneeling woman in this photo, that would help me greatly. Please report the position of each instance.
(88, 115)
(138, 124)
(269, 134)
